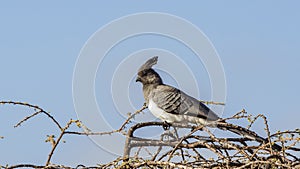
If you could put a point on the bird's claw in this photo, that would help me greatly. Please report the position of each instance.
(145, 104)
(166, 125)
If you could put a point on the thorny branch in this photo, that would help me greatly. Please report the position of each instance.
(64, 130)
(196, 148)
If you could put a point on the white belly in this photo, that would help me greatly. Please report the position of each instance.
(161, 114)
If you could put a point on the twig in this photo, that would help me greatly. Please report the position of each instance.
(38, 111)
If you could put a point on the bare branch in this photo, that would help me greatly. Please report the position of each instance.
(200, 147)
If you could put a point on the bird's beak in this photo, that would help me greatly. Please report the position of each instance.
(138, 79)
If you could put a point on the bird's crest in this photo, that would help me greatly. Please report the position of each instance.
(149, 63)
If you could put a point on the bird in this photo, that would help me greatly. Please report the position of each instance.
(168, 103)
(172, 105)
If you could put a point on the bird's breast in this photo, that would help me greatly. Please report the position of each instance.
(155, 110)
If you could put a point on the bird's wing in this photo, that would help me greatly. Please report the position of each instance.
(174, 101)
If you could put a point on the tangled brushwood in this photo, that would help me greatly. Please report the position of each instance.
(183, 145)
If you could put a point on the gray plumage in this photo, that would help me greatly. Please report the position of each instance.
(176, 102)
(169, 103)
(148, 64)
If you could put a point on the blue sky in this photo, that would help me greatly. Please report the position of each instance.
(258, 44)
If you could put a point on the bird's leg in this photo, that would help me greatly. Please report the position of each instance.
(166, 125)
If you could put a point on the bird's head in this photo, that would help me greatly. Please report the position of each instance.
(146, 75)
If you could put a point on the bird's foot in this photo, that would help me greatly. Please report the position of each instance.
(145, 104)
(166, 125)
